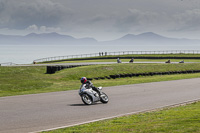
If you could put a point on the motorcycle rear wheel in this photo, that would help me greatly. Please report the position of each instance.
(86, 99)
(104, 98)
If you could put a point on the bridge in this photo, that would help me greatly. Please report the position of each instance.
(100, 54)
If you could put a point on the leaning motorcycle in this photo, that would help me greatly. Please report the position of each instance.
(89, 96)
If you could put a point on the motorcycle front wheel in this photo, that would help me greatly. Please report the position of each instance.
(86, 99)
(104, 98)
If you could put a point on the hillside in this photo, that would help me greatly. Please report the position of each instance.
(55, 38)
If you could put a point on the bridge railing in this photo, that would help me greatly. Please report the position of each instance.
(115, 53)
(7, 64)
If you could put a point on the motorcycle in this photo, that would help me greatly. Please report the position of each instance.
(89, 96)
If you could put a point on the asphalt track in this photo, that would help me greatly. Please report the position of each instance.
(94, 63)
(37, 112)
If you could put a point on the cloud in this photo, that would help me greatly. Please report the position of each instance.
(32, 28)
(42, 29)
(19, 14)
(187, 21)
(97, 18)
(138, 20)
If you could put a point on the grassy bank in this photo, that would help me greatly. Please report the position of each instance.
(127, 60)
(29, 80)
(106, 58)
(183, 119)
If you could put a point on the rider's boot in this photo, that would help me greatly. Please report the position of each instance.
(97, 90)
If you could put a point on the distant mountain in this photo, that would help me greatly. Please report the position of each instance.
(45, 38)
(143, 36)
(148, 38)
(52, 35)
(151, 38)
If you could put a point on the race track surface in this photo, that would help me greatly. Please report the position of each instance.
(94, 63)
(37, 112)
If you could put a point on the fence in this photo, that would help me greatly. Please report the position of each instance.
(115, 53)
(7, 64)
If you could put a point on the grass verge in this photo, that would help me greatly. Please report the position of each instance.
(182, 119)
(103, 58)
(127, 60)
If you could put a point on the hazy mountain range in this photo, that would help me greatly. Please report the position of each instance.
(45, 38)
(55, 38)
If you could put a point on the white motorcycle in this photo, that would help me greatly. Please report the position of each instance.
(89, 96)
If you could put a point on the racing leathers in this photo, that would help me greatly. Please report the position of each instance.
(89, 84)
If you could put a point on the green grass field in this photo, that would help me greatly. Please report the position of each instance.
(28, 80)
(182, 119)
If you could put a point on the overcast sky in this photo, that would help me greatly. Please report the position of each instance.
(101, 19)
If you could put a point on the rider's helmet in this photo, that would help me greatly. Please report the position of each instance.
(83, 80)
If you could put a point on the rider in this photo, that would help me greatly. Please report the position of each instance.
(118, 60)
(89, 84)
